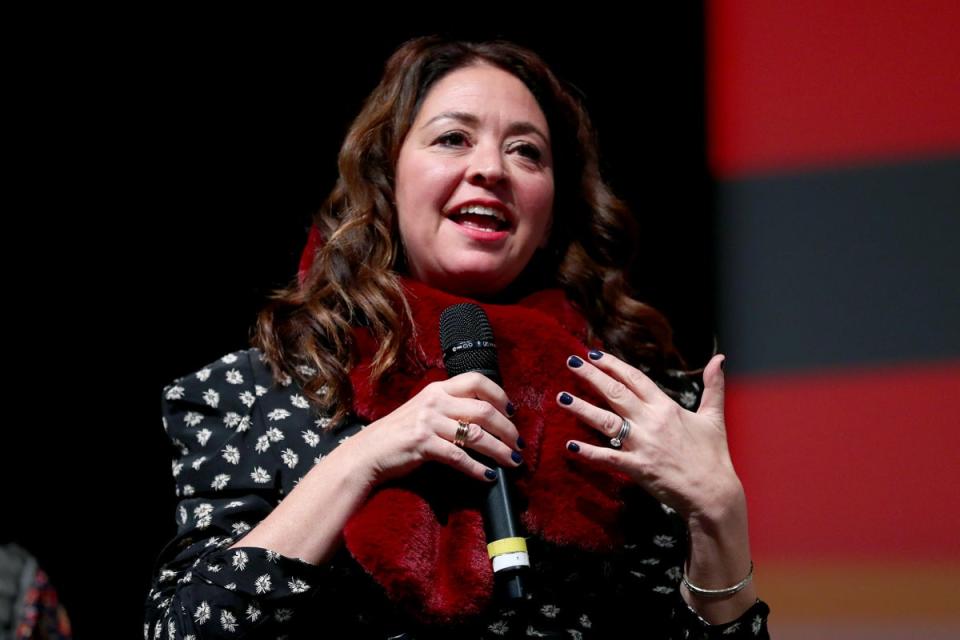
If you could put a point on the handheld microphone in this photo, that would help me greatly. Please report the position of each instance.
(466, 339)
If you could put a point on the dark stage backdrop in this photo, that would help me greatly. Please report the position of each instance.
(168, 171)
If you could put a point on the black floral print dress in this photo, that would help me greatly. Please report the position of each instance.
(241, 441)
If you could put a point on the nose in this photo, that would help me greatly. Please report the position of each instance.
(486, 165)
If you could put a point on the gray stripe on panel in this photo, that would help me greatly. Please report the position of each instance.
(856, 266)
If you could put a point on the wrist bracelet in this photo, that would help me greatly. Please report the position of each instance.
(718, 593)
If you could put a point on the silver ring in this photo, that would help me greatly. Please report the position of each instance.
(460, 438)
(617, 442)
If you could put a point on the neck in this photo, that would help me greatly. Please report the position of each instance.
(536, 277)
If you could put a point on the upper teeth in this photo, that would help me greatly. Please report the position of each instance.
(482, 211)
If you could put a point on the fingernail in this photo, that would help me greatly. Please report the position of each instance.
(520, 443)
(490, 474)
(723, 364)
(516, 457)
(566, 398)
(574, 362)
(594, 354)
(511, 409)
(573, 446)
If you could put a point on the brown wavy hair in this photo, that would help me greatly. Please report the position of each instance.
(306, 329)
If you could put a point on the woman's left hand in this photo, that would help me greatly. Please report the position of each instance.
(680, 457)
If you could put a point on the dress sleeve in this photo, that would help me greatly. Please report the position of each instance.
(227, 467)
(752, 624)
(656, 557)
(662, 555)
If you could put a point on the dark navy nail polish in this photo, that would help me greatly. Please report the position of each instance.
(574, 362)
(516, 457)
(490, 474)
(520, 443)
(511, 409)
(573, 446)
(594, 354)
(566, 398)
(723, 364)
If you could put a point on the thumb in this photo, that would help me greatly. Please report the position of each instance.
(714, 384)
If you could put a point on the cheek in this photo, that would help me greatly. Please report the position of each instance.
(423, 178)
(419, 196)
(539, 201)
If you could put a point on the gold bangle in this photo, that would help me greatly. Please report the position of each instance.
(718, 593)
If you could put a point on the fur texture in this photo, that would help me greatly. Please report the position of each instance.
(422, 538)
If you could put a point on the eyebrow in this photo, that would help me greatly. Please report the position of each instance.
(516, 128)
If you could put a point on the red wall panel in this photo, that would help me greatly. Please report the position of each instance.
(813, 83)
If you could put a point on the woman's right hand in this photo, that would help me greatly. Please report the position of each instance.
(425, 426)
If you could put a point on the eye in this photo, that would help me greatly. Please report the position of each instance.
(529, 151)
(454, 139)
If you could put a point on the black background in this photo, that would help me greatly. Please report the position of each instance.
(164, 178)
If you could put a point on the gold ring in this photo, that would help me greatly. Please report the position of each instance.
(460, 438)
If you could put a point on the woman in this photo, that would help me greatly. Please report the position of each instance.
(470, 174)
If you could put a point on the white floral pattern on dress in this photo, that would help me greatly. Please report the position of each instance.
(499, 628)
(212, 398)
(228, 621)
(299, 401)
(289, 457)
(231, 419)
(240, 560)
(278, 414)
(666, 542)
(550, 610)
(297, 585)
(202, 614)
(263, 583)
(229, 477)
(311, 438)
(231, 454)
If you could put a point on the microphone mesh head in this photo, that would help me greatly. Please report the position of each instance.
(467, 322)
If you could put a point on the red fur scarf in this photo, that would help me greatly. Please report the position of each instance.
(422, 538)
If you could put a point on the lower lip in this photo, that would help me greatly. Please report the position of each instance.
(481, 235)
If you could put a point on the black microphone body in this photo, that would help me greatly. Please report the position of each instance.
(466, 339)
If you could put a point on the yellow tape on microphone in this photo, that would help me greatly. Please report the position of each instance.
(508, 553)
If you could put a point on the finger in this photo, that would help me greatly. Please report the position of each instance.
(481, 441)
(603, 456)
(634, 379)
(714, 386)
(483, 413)
(476, 385)
(620, 397)
(456, 457)
(606, 422)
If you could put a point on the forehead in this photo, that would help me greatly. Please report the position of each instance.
(484, 90)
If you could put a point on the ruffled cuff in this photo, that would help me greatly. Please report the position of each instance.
(752, 624)
(244, 588)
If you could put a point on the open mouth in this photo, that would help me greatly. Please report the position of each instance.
(482, 222)
(482, 218)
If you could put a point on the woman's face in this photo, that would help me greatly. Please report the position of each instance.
(474, 182)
